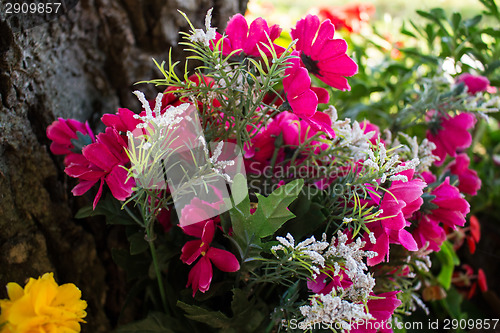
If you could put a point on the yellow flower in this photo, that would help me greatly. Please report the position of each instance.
(42, 307)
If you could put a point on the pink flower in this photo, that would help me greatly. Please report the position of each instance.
(474, 83)
(63, 133)
(451, 206)
(248, 40)
(398, 204)
(324, 284)
(123, 121)
(368, 127)
(201, 274)
(293, 130)
(381, 310)
(451, 135)
(468, 180)
(428, 231)
(104, 161)
(322, 55)
(297, 85)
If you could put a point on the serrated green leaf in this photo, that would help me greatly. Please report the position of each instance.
(272, 211)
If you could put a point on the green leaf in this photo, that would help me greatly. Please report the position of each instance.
(215, 319)
(245, 316)
(155, 323)
(110, 208)
(449, 260)
(273, 211)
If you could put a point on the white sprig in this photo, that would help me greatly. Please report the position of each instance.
(204, 36)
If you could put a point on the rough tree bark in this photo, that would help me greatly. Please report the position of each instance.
(81, 65)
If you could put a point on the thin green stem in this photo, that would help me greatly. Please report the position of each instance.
(157, 269)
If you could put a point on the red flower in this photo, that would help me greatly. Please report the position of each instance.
(352, 17)
(451, 135)
(201, 274)
(248, 40)
(322, 55)
(468, 181)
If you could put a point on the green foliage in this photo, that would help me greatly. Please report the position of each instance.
(271, 213)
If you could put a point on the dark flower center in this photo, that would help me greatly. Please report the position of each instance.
(311, 65)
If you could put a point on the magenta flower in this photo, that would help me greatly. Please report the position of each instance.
(452, 207)
(398, 204)
(248, 40)
(104, 161)
(382, 310)
(200, 276)
(468, 180)
(322, 55)
(452, 134)
(368, 127)
(321, 122)
(123, 121)
(63, 131)
(297, 86)
(429, 232)
(474, 83)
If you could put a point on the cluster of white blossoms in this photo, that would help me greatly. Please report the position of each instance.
(350, 136)
(423, 151)
(150, 144)
(390, 165)
(216, 165)
(332, 310)
(341, 306)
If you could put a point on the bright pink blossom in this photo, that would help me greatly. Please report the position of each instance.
(452, 134)
(63, 132)
(474, 83)
(294, 132)
(381, 309)
(303, 98)
(429, 233)
(322, 55)
(451, 206)
(398, 204)
(468, 180)
(200, 276)
(123, 121)
(368, 127)
(104, 161)
(248, 40)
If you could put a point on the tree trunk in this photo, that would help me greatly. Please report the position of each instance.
(79, 65)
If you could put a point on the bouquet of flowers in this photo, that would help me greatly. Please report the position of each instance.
(256, 199)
